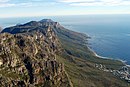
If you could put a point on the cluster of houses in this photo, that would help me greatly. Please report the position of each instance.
(123, 73)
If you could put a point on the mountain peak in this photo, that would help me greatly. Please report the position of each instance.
(46, 20)
(32, 26)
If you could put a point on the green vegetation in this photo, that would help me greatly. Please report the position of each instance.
(7, 73)
(84, 74)
(78, 48)
(80, 62)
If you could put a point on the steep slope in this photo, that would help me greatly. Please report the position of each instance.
(79, 61)
(28, 60)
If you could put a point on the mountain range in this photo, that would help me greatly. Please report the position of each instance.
(45, 54)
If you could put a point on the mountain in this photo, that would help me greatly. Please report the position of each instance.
(46, 20)
(31, 60)
(45, 54)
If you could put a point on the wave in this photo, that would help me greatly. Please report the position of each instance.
(95, 54)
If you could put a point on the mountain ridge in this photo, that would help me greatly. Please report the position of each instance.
(79, 62)
(31, 58)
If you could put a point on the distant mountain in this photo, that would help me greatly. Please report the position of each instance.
(46, 20)
(45, 54)
(40, 25)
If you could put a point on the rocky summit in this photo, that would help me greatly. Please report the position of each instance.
(45, 54)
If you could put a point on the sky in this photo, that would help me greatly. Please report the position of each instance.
(25, 8)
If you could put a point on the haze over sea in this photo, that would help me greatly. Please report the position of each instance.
(110, 34)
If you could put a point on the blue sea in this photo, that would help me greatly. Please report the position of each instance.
(110, 34)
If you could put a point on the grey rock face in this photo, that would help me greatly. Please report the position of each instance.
(29, 60)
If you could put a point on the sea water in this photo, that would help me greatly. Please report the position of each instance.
(110, 34)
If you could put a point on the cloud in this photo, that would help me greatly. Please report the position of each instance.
(27, 3)
(36, 0)
(96, 2)
(2, 5)
(8, 3)
(3, 1)
(75, 1)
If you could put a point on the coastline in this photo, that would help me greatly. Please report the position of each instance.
(95, 54)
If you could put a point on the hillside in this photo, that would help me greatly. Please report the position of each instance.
(30, 60)
(44, 53)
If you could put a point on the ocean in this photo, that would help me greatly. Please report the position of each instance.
(110, 34)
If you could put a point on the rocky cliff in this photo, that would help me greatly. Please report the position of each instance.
(28, 60)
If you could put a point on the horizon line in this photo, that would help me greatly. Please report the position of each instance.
(68, 15)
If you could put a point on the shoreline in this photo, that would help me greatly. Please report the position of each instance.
(95, 54)
(99, 56)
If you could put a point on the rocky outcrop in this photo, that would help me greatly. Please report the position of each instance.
(29, 60)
